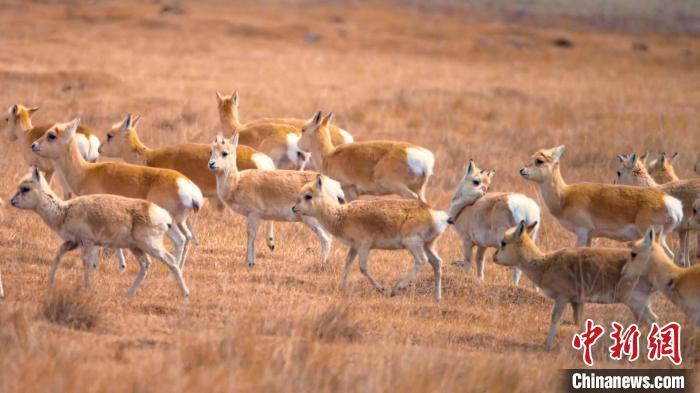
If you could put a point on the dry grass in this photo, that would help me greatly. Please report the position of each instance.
(73, 307)
(489, 91)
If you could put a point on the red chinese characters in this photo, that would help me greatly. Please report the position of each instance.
(587, 339)
(665, 342)
(625, 342)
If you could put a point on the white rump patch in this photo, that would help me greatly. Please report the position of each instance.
(263, 161)
(332, 187)
(524, 209)
(159, 216)
(190, 194)
(93, 154)
(292, 147)
(420, 160)
(83, 145)
(675, 209)
(439, 220)
(347, 138)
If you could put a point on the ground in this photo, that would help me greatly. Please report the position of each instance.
(494, 90)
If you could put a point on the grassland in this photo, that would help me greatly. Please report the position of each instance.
(483, 89)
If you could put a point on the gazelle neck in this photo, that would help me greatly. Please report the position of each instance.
(553, 191)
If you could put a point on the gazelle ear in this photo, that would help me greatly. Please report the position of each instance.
(470, 168)
(234, 98)
(36, 174)
(674, 157)
(219, 97)
(72, 129)
(633, 160)
(14, 110)
(649, 238)
(558, 152)
(492, 172)
(36, 108)
(135, 121)
(621, 157)
(126, 123)
(519, 231)
(234, 140)
(644, 157)
(531, 228)
(219, 138)
(316, 120)
(328, 119)
(319, 183)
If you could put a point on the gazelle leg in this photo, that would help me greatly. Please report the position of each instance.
(190, 231)
(468, 249)
(253, 223)
(144, 264)
(270, 235)
(436, 263)
(183, 227)
(352, 253)
(121, 259)
(363, 254)
(89, 254)
(420, 258)
(326, 238)
(158, 251)
(577, 308)
(480, 251)
(559, 307)
(64, 248)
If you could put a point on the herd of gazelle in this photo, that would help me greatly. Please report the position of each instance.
(311, 171)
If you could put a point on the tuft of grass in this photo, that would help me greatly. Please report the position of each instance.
(336, 323)
(72, 307)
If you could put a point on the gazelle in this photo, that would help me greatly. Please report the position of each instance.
(96, 221)
(482, 222)
(375, 168)
(575, 276)
(190, 159)
(18, 125)
(258, 194)
(591, 210)
(165, 187)
(632, 172)
(277, 140)
(378, 224)
(680, 285)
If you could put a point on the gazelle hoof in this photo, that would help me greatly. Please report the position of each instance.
(458, 262)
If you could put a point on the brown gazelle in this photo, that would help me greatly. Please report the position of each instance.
(680, 285)
(661, 167)
(591, 210)
(378, 224)
(95, 221)
(482, 222)
(165, 187)
(374, 168)
(257, 194)
(632, 172)
(190, 159)
(277, 140)
(18, 125)
(575, 276)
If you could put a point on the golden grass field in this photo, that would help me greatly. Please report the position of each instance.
(462, 87)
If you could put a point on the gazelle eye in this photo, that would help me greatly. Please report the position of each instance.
(224, 154)
(52, 137)
(539, 161)
(109, 137)
(476, 182)
(633, 254)
(24, 190)
(619, 173)
(695, 211)
(307, 197)
(503, 244)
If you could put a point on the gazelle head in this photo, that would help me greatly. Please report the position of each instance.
(661, 168)
(543, 165)
(318, 195)
(13, 120)
(30, 190)
(474, 185)
(223, 154)
(631, 171)
(56, 141)
(314, 130)
(641, 254)
(227, 106)
(515, 244)
(120, 138)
